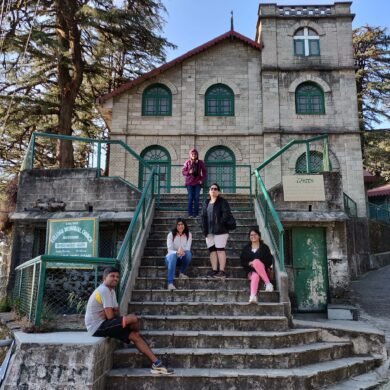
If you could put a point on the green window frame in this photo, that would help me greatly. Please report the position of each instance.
(309, 99)
(219, 101)
(306, 43)
(159, 157)
(316, 162)
(157, 101)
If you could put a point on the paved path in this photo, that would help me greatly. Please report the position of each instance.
(371, 293)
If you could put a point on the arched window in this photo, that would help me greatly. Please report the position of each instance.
(309, 99)
(306, 42)
(157, 101)
(219, 101)
(316, 163)
(158, 157)
(221, 168)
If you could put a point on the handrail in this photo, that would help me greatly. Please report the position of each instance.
(31, 147)
(5, 363)
(381, 213)
(278, 242)
(296, 142)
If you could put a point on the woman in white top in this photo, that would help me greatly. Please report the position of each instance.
(179, 251)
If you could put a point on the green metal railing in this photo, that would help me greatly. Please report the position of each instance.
(31, 277)
(40, 293)
(137, 226)
(350, 206)
(269, 214)
(379, 213)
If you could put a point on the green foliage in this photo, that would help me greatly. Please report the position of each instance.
(77, 303)
(5, 305)
(371, 52)
(77, 51)
(377, 153)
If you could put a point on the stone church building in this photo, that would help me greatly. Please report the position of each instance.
(238, 101)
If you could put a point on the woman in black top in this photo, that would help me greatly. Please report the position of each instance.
(216, 221)
(256, 258)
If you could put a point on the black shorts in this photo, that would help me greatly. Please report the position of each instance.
(113, 328)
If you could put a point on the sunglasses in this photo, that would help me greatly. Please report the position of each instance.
(214, 189)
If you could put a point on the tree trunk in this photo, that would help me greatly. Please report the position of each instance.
(70, 74)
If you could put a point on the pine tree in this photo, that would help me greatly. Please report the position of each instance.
(371, 51)
(57, 57)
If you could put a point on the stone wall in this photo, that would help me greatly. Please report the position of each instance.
(60, 360)
(75, 188)
(379, 236)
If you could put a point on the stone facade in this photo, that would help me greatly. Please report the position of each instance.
(264, 80)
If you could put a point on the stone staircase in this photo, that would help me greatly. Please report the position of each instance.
(211, 336)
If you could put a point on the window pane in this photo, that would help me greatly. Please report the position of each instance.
(219, 100)
(163, 106)
(299, 32)
(302, 104)
(314, 47)
(299, 47)
(149, 106)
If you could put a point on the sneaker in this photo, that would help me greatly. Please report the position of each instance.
(253, 299)
(183, 276)
(211, 274)
(220, 275)
(171, 286)
(160, 369)
(269, 287)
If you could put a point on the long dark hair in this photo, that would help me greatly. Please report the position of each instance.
(186, 231)
(256, 230)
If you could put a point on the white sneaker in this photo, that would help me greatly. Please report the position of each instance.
(253, 299)
(171, 286)
(269, 287)
(183, 276)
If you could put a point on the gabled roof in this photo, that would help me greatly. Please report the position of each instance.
(379, 191)
(231, 34)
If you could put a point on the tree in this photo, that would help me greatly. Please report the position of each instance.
(377, 153)
(371, 52)
(58, 56)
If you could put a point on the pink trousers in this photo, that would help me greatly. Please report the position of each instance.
(254, 277)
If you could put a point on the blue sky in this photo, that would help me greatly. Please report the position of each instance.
(191, 23)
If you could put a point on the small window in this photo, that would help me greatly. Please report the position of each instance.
(219, 101)
(157, 101)
(306, 43)
(309, 99)
(316, 163)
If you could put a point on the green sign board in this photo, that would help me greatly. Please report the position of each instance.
(72, 237)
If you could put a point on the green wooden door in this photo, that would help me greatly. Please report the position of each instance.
(310, 268)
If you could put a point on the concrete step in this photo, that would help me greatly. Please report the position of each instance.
(198, 243)
(238, 358)
(238, 323)
(196, 252)
(201, 295)
(230, 339)
(207, 308)
(192, 284)
(239, 214)
(311, 376)
(196, 233)
(179, 204)
(198, 261)
(191, 271)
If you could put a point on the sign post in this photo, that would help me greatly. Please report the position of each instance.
(72, 237)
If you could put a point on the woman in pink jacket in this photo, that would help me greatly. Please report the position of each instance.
(194, 171)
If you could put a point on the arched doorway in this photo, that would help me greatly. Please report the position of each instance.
(221, 168)
(157, 157)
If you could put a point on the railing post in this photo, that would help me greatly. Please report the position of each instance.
(281, 250)
(32, 150)
(41, 290)
(99, 153)
(33, 287)
(143, 213)
(308, 167)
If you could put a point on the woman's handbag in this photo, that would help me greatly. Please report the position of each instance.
(231, 223)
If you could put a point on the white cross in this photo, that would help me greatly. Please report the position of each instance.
(306, 37)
